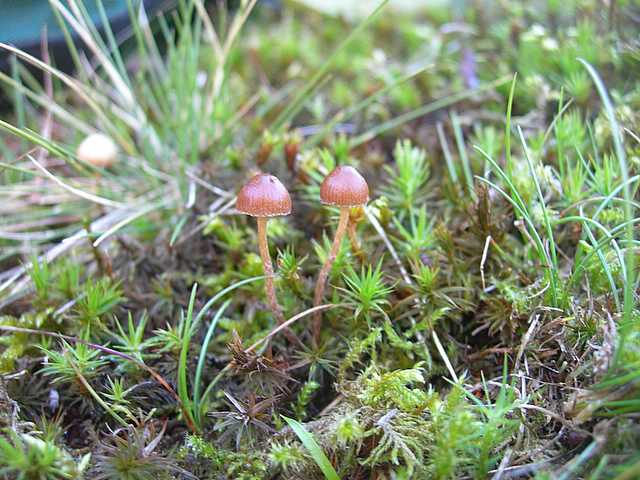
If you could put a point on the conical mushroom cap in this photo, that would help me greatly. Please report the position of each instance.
(264, 196)
(344, 187)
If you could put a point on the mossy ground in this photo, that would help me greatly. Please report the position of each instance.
(481, 318)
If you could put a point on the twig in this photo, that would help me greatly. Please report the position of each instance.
(555, 416)
(525, 340)
(521, 471)
(293, 319)
(485, 252)
(76, 191)
(504, 463)
(378, 228)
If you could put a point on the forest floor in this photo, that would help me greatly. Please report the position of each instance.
(480, 317)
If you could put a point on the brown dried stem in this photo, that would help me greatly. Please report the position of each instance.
(326, 269)
(268, 282)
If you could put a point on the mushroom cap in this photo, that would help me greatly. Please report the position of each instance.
(98, 150)
(344, 187)
(264, 196)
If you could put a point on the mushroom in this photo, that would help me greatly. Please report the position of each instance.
(355, 216)
(98, 150)
(344, 187)
(264, 196)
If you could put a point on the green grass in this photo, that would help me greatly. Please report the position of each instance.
(314, 449)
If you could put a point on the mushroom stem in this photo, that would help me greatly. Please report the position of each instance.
(353, 239)
(268, 282)
(326, 269)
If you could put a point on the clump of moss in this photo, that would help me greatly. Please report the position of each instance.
(481, 315)
(207, 461)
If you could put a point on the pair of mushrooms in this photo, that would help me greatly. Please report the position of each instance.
(264, 196)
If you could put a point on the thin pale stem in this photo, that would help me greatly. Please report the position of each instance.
(326, 269)
(268, 281)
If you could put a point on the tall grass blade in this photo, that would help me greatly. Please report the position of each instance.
(616, 133)
(554, 274)
(313, 448)
(183, 389)
(202, 359)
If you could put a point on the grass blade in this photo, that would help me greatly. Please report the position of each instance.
(202, 359)
(182, 362)
(507, 128)
(447, 154)
(547, 224)
(616, 133)
(462, 151)
(221, 294)
(314, 449)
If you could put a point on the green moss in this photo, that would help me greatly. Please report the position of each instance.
(490, 239)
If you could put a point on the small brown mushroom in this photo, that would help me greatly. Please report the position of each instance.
(264, 196)
(344, 187)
